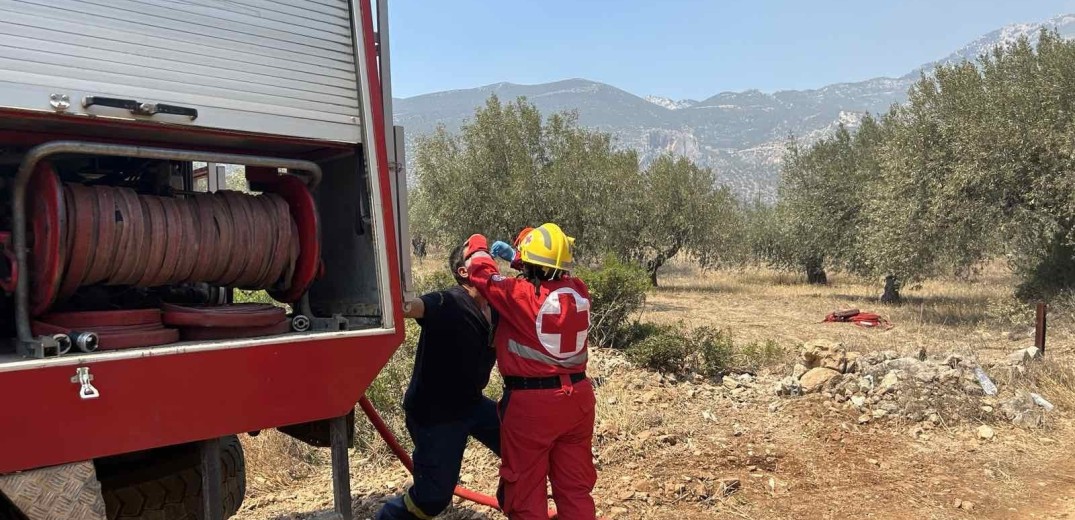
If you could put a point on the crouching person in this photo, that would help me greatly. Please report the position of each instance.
(444, 403)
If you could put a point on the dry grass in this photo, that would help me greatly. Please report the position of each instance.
(275, 461)
(1057, 380)
(977, 316)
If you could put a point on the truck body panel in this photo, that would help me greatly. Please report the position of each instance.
(171, 395)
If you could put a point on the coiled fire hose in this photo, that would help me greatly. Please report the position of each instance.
(118, 237)
(238, 320)
(86, 235)
(113, 329)
(405, 458)
(147, 327)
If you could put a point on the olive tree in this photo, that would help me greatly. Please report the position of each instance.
(510, 167)
(980, 161)
(822, 194)
(682, 210)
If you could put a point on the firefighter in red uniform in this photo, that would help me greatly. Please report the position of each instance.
(547, 412)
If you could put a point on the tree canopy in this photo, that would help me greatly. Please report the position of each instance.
(509, 168)
(979, 162)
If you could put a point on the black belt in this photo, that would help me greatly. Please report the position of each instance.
(539, 383)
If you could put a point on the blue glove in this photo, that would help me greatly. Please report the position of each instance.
(502, 250)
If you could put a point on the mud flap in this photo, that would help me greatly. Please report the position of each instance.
(57, 492)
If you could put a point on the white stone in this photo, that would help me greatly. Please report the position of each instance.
(890, 382)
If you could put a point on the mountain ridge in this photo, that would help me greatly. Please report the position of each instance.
(740, 134)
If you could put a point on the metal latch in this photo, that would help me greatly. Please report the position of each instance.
(83, 377)
(138, 108)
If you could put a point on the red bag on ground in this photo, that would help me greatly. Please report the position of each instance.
(857, 317)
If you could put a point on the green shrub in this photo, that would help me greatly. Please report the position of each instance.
(438, 280)
(617, 290)
(1009, 312)
(715, 350)
(706, 351)
(386, 395)
(754, 355)
(243, 296)
(636, 331)
(663, 349)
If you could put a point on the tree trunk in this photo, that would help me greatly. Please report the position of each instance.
(653, 265)
(815, 274)
(891, 296)
(1051, 274)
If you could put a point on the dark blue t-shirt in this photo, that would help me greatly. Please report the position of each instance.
(454, 358)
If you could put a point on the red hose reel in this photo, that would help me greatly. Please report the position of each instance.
(87, 235)
(100, 235)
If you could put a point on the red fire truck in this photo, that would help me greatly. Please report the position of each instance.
(128, 362)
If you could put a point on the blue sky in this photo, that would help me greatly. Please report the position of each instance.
(682, 48)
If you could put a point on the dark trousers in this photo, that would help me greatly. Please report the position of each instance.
(438, 456)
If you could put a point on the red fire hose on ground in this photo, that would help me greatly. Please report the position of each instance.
(405, 458)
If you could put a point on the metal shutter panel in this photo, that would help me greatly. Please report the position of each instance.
(279, 67)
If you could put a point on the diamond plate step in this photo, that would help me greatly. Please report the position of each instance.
(56, 493)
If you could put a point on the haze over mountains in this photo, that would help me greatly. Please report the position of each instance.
(741, 135)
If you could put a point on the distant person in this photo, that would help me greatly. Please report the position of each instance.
(444, 403)
(547, 412)
(418, 244)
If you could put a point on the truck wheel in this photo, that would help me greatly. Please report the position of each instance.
(8, 511)
(166, 484)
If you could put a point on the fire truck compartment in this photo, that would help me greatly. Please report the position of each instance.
(142, 246)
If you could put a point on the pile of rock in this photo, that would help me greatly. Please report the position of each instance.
(910, 387)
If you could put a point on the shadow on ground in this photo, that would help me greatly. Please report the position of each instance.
(697, 287)
(665, 307)
(365, 506)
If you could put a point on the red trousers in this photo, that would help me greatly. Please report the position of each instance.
(546, 435)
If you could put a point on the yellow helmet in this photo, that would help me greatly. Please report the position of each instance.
(548, 246)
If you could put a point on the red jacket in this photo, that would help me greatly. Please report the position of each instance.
(540, 333)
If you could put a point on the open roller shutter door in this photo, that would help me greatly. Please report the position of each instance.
(283, 67)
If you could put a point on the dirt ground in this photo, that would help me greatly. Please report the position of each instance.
(673, 448)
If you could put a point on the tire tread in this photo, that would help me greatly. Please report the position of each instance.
(177, 495)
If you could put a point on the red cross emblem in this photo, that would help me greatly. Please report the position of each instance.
(563, 318)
